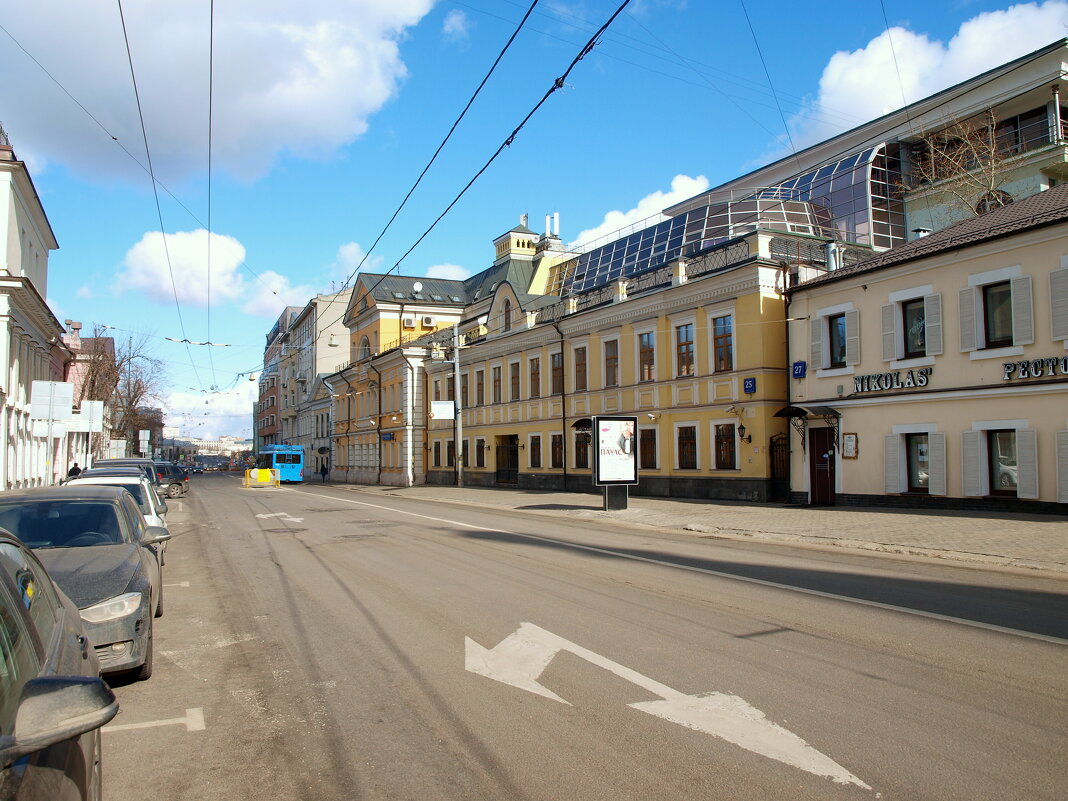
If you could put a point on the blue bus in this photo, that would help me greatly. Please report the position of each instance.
(288, 460)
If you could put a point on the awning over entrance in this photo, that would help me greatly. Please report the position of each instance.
(583, 424)
(800, 415)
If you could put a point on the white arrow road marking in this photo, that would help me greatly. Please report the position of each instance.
(520, 658)
(284, 515)
(193, 721)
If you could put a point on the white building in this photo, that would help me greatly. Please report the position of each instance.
(31, 348)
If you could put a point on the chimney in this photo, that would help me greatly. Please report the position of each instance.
(556, 223)
(548, 226)
(921, 232)
(523, 219)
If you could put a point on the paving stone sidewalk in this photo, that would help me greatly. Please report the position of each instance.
(1037, 542)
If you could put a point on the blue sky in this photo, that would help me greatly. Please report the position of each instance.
(324, 112)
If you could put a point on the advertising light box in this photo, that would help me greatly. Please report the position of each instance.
(615, 450)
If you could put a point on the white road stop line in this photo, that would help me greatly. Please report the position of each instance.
(193, 721)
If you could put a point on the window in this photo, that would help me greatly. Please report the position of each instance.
(836, 331)
(684, 350)
(647, 449)
(725, 453)
(466, 453)
(535, 451)
(582, 450)
(463, 390)
(722, 343)
(506, 325)
(480, 453)
(450, 389)
(437, 389)
(556, 367)
(996, 312)
(997, 315)
(437, 453)
(556, 447)
(535, 377)
(918, 462)
(496, 385)
(1001, 462)
(611, 363)
(580, 371)
(513, 381)
(914, 328)
(687, 447)
(646, 357)
(450, 453)
(480, 387)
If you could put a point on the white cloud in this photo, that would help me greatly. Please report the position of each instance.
(146, 269)
(212, 415)
(457, 27)
(348, 259)
(85, 293)
(865, 82)
(297, 77)
(451, 271)
(648, 208)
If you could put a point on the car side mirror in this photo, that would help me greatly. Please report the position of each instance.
(56, 708)
(155, 534)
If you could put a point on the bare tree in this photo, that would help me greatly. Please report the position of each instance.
(966, 162)
(138, 386)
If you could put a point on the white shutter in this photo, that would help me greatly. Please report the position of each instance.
(1023, 319)
(815, 329)
(892, 464)
(1026, 463)
(967, 319)
(852, 319)
(1062, 467)
(970, 463)
(932, 320)
(1058, 298)
(936, 464)
(889, 315)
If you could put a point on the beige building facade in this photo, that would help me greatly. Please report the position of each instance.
(937, 373)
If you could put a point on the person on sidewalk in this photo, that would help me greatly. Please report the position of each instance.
(74, 471)
(324, 471)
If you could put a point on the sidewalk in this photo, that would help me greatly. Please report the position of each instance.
(1037, 542)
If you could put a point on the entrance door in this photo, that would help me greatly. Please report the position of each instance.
(508, 459)
(821, 466)
(779, 454)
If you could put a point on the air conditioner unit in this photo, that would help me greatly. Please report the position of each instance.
(408, 322)
(428, 321)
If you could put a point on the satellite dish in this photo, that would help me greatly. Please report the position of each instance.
(418, 286)
(323, 450)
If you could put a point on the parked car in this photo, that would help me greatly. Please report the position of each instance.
(173, 479)
(96, 545)
(152, 506)
(49, 684)
(146, 466)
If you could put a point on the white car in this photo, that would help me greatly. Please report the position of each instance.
(152, 506)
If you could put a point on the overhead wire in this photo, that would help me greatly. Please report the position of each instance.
(211, 98)
(155, 191)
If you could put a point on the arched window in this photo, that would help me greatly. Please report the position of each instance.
(507, 323)
(365, 348)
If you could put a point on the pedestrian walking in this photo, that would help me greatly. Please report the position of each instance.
(74, 471)
(324, 471)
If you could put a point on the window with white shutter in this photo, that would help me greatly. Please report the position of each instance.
(1023, 319)
(892, 464)
(967, 316)
(936, 442)
(815, 329)
(1062, 466)
(1058, 298)
(1026, 463)
(889, 321)
(932, 315)
(971, 463)
(852, 320)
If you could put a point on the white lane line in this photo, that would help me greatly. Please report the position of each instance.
(748, 579)
(193, 721)
(179, 584)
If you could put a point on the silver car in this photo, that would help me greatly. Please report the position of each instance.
(152, 506)
(95, 544)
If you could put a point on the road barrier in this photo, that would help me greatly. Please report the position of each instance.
(260, 477)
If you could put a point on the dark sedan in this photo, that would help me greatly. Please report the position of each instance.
(96, 545)
(52, 701)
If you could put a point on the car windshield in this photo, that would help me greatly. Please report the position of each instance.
(62, 524)
(137, 490)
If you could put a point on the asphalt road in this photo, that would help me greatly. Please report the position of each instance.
(327, 643)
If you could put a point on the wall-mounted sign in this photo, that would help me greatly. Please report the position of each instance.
(849, 446)
(1036, 368)
(748, 385)
(387, 435)
(800, 369)
(901, 379)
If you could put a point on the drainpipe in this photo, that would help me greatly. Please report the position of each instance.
(409, 399)
(563, 399)
(348, 424)
(789, 380)
(378, 422)
(1058, 136)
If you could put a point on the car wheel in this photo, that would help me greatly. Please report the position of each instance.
(95, 791)
(145, 671)
(174, 491)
